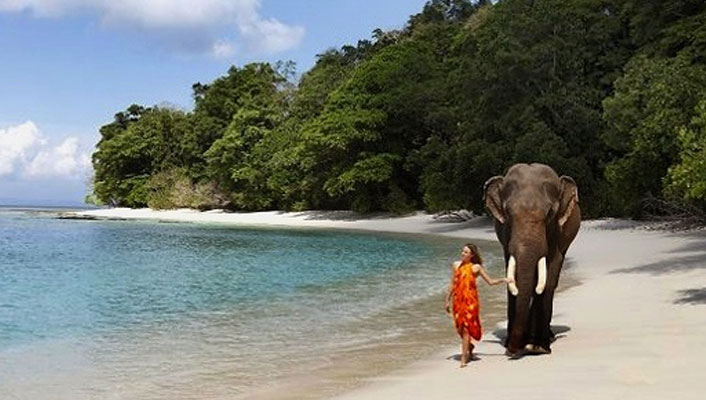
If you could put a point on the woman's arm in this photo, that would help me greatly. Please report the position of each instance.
(490, 281)
(449, 293)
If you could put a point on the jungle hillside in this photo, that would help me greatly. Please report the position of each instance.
(611, 93)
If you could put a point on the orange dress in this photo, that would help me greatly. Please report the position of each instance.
(466, 307)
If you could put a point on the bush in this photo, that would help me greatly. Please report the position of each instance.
(686, 180)
(174, 189)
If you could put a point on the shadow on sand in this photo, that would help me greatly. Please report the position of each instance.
(692, 296)
(474, 357)
(680, 264)
(558, 330)
(501, 334)
(484, 222)
(341, 215)
(690, 256)
(693, 254)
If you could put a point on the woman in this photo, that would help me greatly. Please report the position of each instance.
(464, 294)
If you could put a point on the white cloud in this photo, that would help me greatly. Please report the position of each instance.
(16, 144)
(24, 152)
(222, 50)
(260, 34)
(270, 35)
(64, 160)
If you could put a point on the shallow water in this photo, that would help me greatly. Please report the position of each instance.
(106, 309)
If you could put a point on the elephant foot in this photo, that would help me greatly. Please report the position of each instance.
(537, 349)
(515, 354)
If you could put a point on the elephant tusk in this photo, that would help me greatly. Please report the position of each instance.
(541, 275)
(511, 275)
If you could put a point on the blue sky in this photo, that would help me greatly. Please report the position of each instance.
(68, 65)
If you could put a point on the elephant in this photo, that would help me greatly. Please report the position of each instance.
(537, 216)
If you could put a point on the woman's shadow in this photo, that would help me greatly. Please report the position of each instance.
(474, 357)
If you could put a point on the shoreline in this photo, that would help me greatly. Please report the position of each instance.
(416, 223)
(633, 328)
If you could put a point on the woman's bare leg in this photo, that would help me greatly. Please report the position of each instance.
(465, 349)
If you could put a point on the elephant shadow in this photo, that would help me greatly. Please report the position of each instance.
(558, 332)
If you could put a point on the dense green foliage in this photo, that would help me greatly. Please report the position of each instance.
(612, 93)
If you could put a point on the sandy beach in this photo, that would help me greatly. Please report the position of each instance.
(634, 328)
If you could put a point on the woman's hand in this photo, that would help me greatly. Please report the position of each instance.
(509, 280)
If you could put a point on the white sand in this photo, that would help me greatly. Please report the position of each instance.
(636, 324)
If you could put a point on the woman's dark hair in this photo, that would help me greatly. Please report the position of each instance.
(476, 257)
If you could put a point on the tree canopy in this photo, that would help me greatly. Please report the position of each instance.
(612, 93)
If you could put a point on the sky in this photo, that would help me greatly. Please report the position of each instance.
(67, 66)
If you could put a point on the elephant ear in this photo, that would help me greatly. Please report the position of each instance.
(491, 196)
(568, 199)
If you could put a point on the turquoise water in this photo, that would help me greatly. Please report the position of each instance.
(96, 309)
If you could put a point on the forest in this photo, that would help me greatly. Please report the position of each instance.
(611, 93)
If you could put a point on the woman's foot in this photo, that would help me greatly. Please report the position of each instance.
(464, 359)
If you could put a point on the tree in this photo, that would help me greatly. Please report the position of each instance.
(607, 92)
(360, 148)
(653, 100)
(686, 180)
(526, 75)
(233, 161)
(138, 143)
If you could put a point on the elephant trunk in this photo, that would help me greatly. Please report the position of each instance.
(530, 277)
(517, 339)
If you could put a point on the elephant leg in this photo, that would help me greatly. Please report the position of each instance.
(535, 321)
(538, 333)
(544, 319)
(546, 311)
(510, 316)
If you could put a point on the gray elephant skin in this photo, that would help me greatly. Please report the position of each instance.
(537, 216)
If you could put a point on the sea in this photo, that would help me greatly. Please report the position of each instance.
(156, 310)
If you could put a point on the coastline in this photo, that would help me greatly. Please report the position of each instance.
(634, 328)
